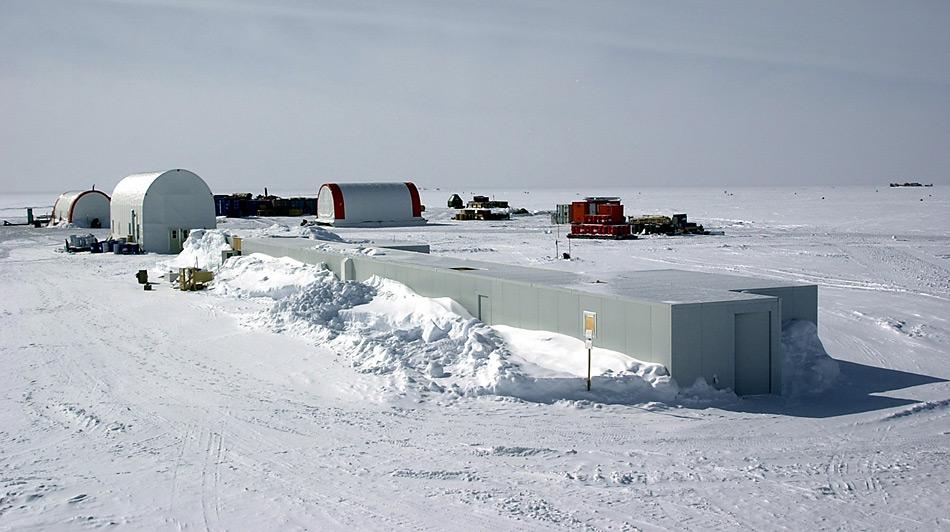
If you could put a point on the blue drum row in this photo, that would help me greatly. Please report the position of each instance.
(117, 247)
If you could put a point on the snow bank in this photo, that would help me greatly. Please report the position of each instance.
(422, 345)
(567, 355)
(384, 328)
(552, 363)
(258, 275)
(807, 369)
(201, 249)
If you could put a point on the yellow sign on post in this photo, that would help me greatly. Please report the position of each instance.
(590, 324)
(590, 330)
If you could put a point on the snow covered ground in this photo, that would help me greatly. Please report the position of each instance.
(255, 405)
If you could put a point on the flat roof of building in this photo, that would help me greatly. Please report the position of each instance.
(668, 286)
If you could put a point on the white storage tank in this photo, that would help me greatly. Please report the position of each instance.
(82, 208)
(158, 209)
(369, 205)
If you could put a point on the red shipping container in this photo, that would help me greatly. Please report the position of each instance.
(601, 229)
(578, 211)
(613, 210)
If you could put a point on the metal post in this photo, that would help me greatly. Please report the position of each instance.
(588, 369)
(590, 330)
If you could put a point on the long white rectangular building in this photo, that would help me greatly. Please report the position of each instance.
(724, 328)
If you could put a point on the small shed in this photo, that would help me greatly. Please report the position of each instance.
(82, 208)
(369, 205)
(158, 209)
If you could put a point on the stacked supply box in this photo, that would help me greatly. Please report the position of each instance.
(599, 217)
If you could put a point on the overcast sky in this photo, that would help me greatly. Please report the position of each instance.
(290, 94)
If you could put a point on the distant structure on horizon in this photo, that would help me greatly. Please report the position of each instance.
(910, 184)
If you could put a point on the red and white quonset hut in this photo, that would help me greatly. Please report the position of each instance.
(82, 208)
(369, 205)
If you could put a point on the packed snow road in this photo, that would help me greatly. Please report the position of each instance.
(163, 410)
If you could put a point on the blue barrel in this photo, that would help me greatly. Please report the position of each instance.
(117, 248)
(133, 248)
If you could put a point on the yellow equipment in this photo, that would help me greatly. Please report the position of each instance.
(190, 279)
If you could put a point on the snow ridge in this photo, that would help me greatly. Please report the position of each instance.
(928, 406)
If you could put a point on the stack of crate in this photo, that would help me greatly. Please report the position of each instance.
(597, 217)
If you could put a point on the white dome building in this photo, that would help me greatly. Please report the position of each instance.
(369, 205)
(159, 209)
(82, 208)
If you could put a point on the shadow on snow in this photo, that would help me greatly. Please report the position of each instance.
(853, 394)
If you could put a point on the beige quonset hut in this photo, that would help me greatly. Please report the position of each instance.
(158, 209)
(82, 208)
(369, 205)
(726, 329)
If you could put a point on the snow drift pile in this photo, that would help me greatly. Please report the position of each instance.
(264, 276)
(202, 249)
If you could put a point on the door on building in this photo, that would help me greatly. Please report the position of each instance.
(175, 240)
(484, 309)
(753, 353)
